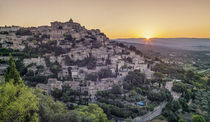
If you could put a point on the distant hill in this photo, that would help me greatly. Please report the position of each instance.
(194, 44)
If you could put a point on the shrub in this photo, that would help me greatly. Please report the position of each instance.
(23, 32)
(91, 76)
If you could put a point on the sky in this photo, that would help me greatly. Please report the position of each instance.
(116, 18)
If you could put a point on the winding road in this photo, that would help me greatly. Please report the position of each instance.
(151, 115)
(158, 110)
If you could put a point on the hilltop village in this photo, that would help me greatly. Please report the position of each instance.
(78, 67)
(73, 56)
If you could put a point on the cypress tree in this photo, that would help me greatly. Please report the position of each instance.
(12, 73)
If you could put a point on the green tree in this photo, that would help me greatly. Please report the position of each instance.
(175, 106)
(190, 75)
(92, 76)
(179, 87)
(20, 67)
(158, 76)
(198, 118)
(134, 79)
(93, 112)
(71, 116)
(133, 93)
(57, 93)
(208, 82)
(48, 107)
(116, 90)
(183, 103)
(105, 73)
(188, 94)
(160, 96)
(161, 67)
(182, 120)
(17, 103)
(12, 73)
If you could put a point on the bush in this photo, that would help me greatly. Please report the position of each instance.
(93, 112)
(90, 62)
(179, 87)
(182, 120)
(66, 117)
(161, 117)
(4, 32)
(183, 103)
(124, 112)
(172, 70)
(161, 96)
(133, 79)
(55, 68)
(18, 103)
(208, 82)
(23, 32)
(34, 80)
(69, 37)
(170, 115)
(68, 61)
(91, 76)
(198, 118)
(105, 73)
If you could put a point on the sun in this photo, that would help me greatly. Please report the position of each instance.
(148, 36)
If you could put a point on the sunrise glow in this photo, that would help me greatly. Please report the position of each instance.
(147, 36)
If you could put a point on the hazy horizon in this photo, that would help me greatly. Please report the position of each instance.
(196, 44)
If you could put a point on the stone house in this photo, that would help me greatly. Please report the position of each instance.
(38, 61)
(73, 84)
(9, 28)
(75, 73)
(52, 84)
(63, 74)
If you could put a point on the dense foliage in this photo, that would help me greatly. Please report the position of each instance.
(198, 118)
(194, 99)
(17, 103)
(21, 103)
(134, 79)
(173, 71)
(69, 95)
(92, 113)
(90, 62)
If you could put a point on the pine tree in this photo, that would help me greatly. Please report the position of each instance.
(12, 72)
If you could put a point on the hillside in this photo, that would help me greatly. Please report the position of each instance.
(79, 66)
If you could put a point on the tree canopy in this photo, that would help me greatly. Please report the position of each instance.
(21, 103)
(12, 73)
(134, 79)
(94, 113)
(17, 103)
(198, 118)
